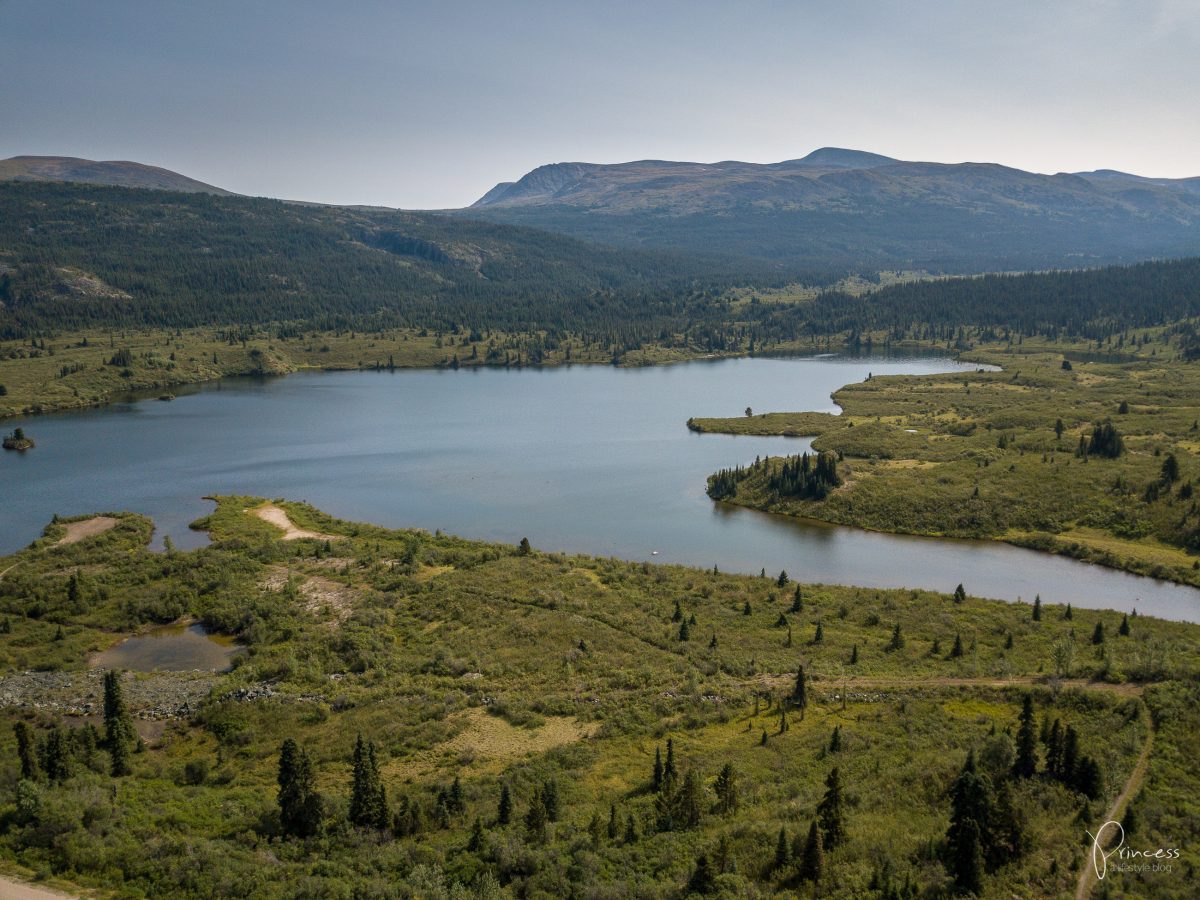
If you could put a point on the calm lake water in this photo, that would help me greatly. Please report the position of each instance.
(172, 648)
(586, 459)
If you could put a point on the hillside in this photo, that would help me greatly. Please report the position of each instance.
(116, 173)
(512, 705)
(861, 210)
(72, 256)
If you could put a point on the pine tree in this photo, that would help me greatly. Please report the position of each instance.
(596, 831)
(967, 862)
(702, 880)
(959, 594)
(783, 851)
(656, 778)
(549, 799)
(800, 692)
(957, 650)
(1098, 634)
(1025, 765)
(118, 726)
(670, 773)
(897, 641)
(614, 827)
(27, 752)
(1054, 750)
(631, 830)
(368, 802)
(835, 741)
(1123, 631)
(685, 631)
(301, 808)
(782, 621)
(475, 842)
(830, 813)
(677, 616)
(819, 634)
(970, 819)
(797, 601)
(57, 756)
(782, 580)
(689, 802)
(746, 610)
(854, 655)
(726, 787)
(1037, 608)
(524, 548)
(1068, 613)
(504, 809)
(813, 865)
(536, 818)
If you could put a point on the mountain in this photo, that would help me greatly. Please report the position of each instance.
(119, 173)
(860, 210)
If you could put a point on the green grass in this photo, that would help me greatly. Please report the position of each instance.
(461, 658)
(977, 455)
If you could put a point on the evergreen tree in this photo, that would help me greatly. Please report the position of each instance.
(1037, 608)
(897, 641)
(1098, 634)
(118, 726)
(726, 787)
(854, 655)
(475, 842)
(301, 808)
(970, 819)
(959, 594)
(1087, 778)
(957, 650)
(782, 621)
(835, 741)
(670, 773)
(1068, 613)
(504, 808)
(689, 802)
(56, 759)
(656, 778)
(613, 823)
(1054, 750)
(967, 861)
(797, 601)
(782, 580)
(677, 616)
(783, 851)
(746, 610)
(819, 634)
(27, 752)
(536, 818)
(549, 799)
(712, 643)
(830, 813)
(524, 548)
(685, 631)
(702, 880)
(800, 692)
(813, 865)
(1123, 631)
(368, 800)
(1025, 765)
(596, 831)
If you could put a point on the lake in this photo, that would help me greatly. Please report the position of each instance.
(171, 648)
(588, 459)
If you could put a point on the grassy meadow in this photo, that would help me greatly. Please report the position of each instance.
(507, 668)
(993, 453)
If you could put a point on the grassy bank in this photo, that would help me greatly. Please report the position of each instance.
(996, 454)
(92, 368)
(512, 669)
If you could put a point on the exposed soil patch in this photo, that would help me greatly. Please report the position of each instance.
(322, 597)
(77, 531)
(274, 515)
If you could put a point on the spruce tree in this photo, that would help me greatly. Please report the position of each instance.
(366, 789)
(613, 823)
(897, 641)
(800, 692)
(957, 650)
(631, 830)
(819, 634)
(504, 809)
(746, 610)
(1025, 765)
(726, 788)
(970, 820)
(812, 866)
(783, 851)
(677, 616)
(1037, 608)
(56, 759)
(1123, 631)
(301, 808)
(782, 580)
(797, 601)
(475, 842)
(1098, 634)
(536, 818)
(656, 777)
(967, 861)
(118, 726)
(550, 799)
(27, 752)
(703, 880)
(959, 594)
(685, 631)
(830, 813)
(670, 773)
(689, 802)
(835, 741)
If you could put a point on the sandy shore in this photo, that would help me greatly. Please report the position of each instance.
(15, 889)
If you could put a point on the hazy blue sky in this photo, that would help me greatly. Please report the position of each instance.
(429, 104)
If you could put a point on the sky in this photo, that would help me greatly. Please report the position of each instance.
(427, 105)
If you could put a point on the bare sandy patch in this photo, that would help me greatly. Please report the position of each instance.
(274, 515)
(487, 743)
(77, 531)
(322, 597)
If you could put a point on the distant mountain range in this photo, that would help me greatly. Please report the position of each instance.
(861, 209)
(118, 173)
(833, 210)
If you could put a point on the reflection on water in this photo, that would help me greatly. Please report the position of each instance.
(172, 648)
(586, 459)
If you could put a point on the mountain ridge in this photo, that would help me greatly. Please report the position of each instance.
(113, 172)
